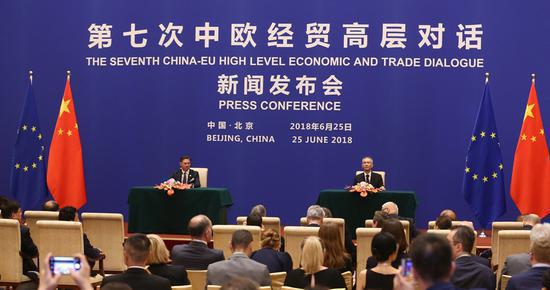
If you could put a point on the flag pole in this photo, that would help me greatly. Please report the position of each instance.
(30, 76)
(486, 77)
(68, 75)
(482, 233)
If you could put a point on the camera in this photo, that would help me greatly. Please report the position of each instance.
(64, 265)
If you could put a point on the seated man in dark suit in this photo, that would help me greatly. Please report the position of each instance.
(239, 264)
(540, 260)
(12, 210)
(185, 174)
(393, 212)
(368, 175)
(136, 252)
(431, 257)
(92, 254)
(470, 271)
(197, 255)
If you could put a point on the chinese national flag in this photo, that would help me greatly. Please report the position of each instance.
(65, 166)
(530, 188)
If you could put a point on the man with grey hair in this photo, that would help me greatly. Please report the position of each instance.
(259, 209)
(369, 176)
(392, 210)
(540, 260)
(315, 216)
(519, 263)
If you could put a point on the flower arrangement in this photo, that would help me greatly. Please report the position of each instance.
(170, 185)
(363, 188)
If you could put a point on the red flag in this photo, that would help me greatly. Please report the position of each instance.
(65, 165)
(530, 188)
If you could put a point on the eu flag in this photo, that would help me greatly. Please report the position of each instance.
(483, 185)
(28, 175)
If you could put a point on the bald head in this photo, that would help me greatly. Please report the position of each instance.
(200, 228)
(390, 208)
(531, 219)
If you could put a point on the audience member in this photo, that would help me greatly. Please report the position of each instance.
(336, 256)
(314, 216)
(394, 227)
(379, 218)
(254, 220)
(530, 220)
(159, 260)
(70, 214)
(518, 263)
(50, 205)
(197, 255)
(443, 223)
(49, 280)
(540, 260)
(431, 257)
(136, 251)
(393, 212)
(312, 272)
(259, 209)
(328, 212)
(384, 249)
(238, 264)
(12, 210)
(470, 271)
(270, 255)
(240, 283)
(116, 286)
(448, 213)
(546, 281)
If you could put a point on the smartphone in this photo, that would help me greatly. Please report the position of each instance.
(406, 267)
(64, 265)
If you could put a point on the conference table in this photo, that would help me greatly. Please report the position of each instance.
(153, 211)
(356, 209)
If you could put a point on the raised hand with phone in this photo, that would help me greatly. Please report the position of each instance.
(53, 268)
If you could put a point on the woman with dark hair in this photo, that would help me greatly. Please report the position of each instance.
(270, 255)
(336, 256)
(384, 248)
(394, 227)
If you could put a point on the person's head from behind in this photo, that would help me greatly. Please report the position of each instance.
(432, 259)
(443, 223)
(312, 256)
(259, 209)
(254, 220)
(328, 212)
(379, 218)
(384, 247)
(330, 235)
(3, 202)
(540, 244)
(136, 250)
(395, 227)
(390, 208)
(50, 205)
(448, 213)
(158, 253)
(271, 239)
(68, 214)
(241, 241)
(12, 210)
(116, 286)
(315, 215)
(200, 228)
(461, 240)
(240, 283)
(531, 220)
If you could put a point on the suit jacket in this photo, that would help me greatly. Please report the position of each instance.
(481, 260)
(469, 273)
(442, 286)
(238, 265)
(531, 279)
(516, 264)
(274, 260)
(375, 179)
(195, 256)
(139, 279)
(193, 177)
(176, 274)
(91, 253)
(28, 250)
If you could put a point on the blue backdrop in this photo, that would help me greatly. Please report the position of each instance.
(135, 121)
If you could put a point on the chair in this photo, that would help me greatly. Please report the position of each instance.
(268, 222)
(431, 224)
(504, 281)
(277, 280)
(213, 287)
(511, 242)
(444, 233)
(222, 237)
(71, 234)
(339, 221)
(293, 241)
(496, 227)
(183, 287)
(406, 225)
(197, 279)
(203, 176)
(382, 173)
(32, 216)
(290, 288)
(364, 240)
(11, 267)
(348, 277)
(106, 232)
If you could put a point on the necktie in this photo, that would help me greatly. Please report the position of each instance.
(184, 177)
(367, 179)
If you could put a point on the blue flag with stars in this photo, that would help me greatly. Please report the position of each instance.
(483, 185)
(28, 175)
